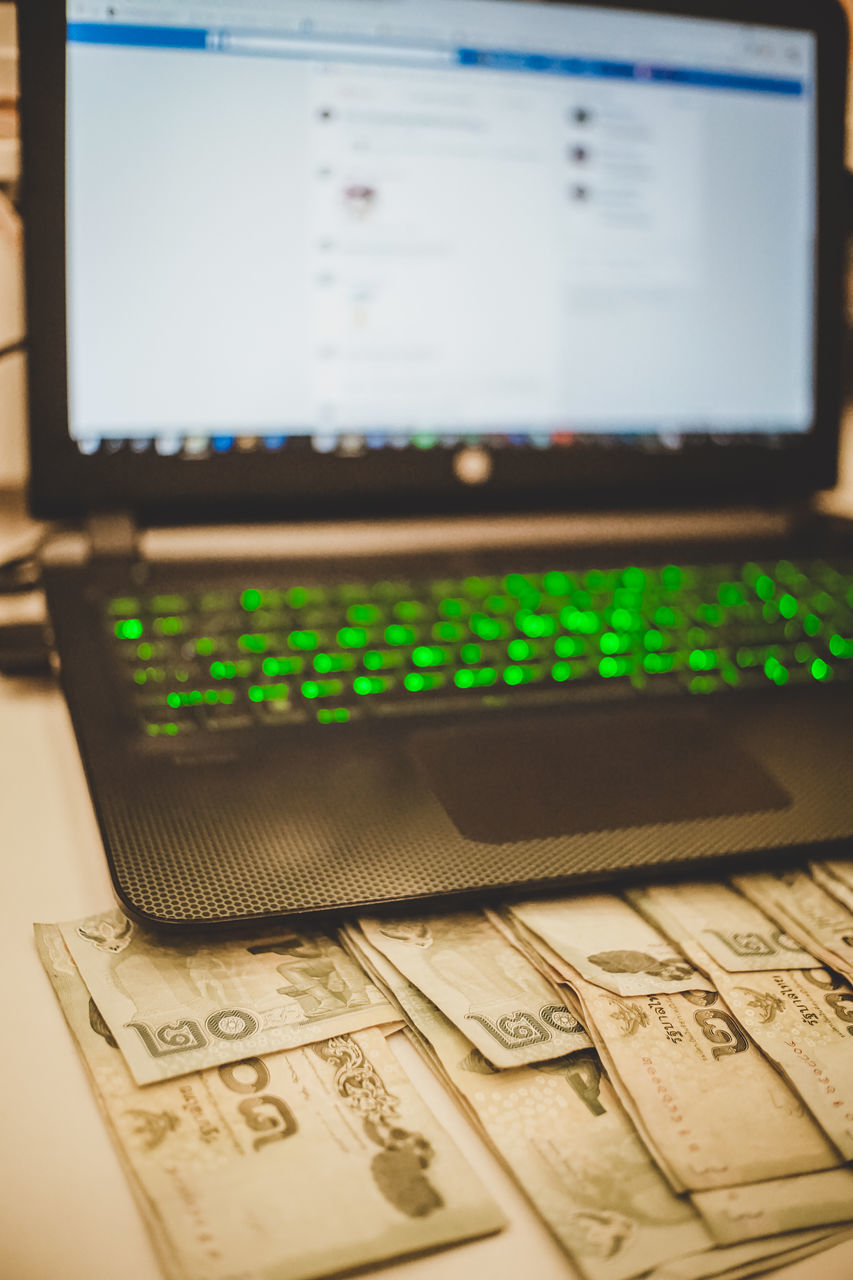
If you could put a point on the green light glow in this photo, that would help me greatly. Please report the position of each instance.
(169, 626)
(130, 629)
(521, 650)
(379, 660)
(250, 600)
(364, 614)
(671, 578)
(487, 628)
(417, 682)
(268, 692)
(333, 715)
(788, 606)
(764, 587)
(204, 646)
(363, 685)
(303, 640)
(430, 655)
(396, 634)
(123, 606)
(326, 662)
(322, 688)
(556, 583)
(168, 603)
(145, 652)
(535, 625)
(471, 653)
(840, 648)
(296, 597)
(452, 607)
(812, 624)
(658, 663)
(282, 666)
(820, 669)
(408, 610)
(352, 637)
(569, 647)
(729, 594)
(634, 578)
(253, 643)
(449, 631)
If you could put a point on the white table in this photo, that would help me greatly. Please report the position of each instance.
(66, 1212)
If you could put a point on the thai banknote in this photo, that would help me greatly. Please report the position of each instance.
(802, 1019)
(560, 1129)
(836, 878)
(814, 917)
(710, 1106)
(731, 930)
(756, 1257)
(175, 1007)
(284, 1167)
(491, 992)
(599, 937)
(785, 1204)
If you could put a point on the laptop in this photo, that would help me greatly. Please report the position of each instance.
(435, 393)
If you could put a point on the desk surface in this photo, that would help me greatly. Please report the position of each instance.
(66, 1212)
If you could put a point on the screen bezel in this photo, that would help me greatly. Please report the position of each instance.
(163, 489)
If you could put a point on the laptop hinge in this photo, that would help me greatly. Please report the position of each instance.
(112, 535)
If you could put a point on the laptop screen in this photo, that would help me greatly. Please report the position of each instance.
(370, 224)
(362, 255)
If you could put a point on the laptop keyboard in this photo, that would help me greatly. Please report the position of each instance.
(313, 653)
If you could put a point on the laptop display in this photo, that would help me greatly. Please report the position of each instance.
(493, 250)
(435, 220)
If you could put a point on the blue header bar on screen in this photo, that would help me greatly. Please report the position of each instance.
(146, 37)
(122, 34)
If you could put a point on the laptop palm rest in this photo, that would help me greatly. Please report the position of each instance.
(558, 775)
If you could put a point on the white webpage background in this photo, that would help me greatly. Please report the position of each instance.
(220, 281)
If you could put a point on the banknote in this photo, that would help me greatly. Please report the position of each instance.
(283, 1167)
(487, 988)
(601, 938)
(836, 878)
(709, 1104)
(175, 1007)
(731, 930)
(785, 1204)
(802, 1019)
(818, 921)
(560, 1129)
(756, 1257)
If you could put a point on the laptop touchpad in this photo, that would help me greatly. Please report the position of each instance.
(590, 770)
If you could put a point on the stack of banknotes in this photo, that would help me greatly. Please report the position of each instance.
(667, 1073)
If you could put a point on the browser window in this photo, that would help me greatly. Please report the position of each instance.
(454, 216)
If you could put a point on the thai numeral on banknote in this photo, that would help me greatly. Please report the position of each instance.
(726, 1038)
(519, 1029)
(181, 1036)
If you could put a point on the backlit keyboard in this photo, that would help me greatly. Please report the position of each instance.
(308, 652)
